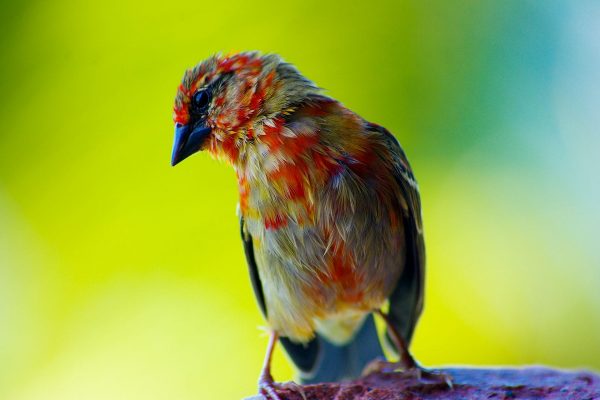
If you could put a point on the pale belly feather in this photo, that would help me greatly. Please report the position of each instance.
(327, 276)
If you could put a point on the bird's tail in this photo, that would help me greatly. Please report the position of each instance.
(323, 361)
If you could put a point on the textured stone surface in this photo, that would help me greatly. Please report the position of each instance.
(490, 384)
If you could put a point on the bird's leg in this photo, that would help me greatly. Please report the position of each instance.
(406, 361)
(266, 384)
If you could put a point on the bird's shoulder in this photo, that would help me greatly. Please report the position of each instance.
(404, 176)
(399, 159)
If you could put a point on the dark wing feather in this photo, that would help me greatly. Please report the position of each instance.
(253, 268)
(406, 300)
(305, 355)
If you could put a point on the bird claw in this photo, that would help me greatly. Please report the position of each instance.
(416, 372)
(293, 386)
(379, 365)
(423, 374)
(268, 388)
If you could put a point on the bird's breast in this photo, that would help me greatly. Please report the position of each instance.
(322, 212)
(322, 253)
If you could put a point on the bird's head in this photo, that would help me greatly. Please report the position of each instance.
(224, 103)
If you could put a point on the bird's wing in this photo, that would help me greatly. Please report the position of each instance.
(252, 267)
(304, 356)
(406, 300)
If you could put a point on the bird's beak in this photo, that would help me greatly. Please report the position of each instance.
(188, 140)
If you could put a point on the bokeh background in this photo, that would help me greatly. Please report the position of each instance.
(124, 278)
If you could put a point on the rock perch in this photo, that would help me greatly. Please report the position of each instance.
(469, 383)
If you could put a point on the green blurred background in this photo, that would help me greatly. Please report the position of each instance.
(124, 278)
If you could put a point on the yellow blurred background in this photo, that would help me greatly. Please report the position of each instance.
(124, 278)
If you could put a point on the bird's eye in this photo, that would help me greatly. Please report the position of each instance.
(200, 100)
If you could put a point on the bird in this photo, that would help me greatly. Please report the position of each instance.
(329, 209)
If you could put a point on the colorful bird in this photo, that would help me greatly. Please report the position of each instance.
(329, 209)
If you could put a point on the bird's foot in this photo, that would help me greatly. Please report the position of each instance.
(413, 371)
(379, 365)
(424, 374)
(268, 388)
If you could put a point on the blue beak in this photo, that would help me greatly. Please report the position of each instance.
(188, 140)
